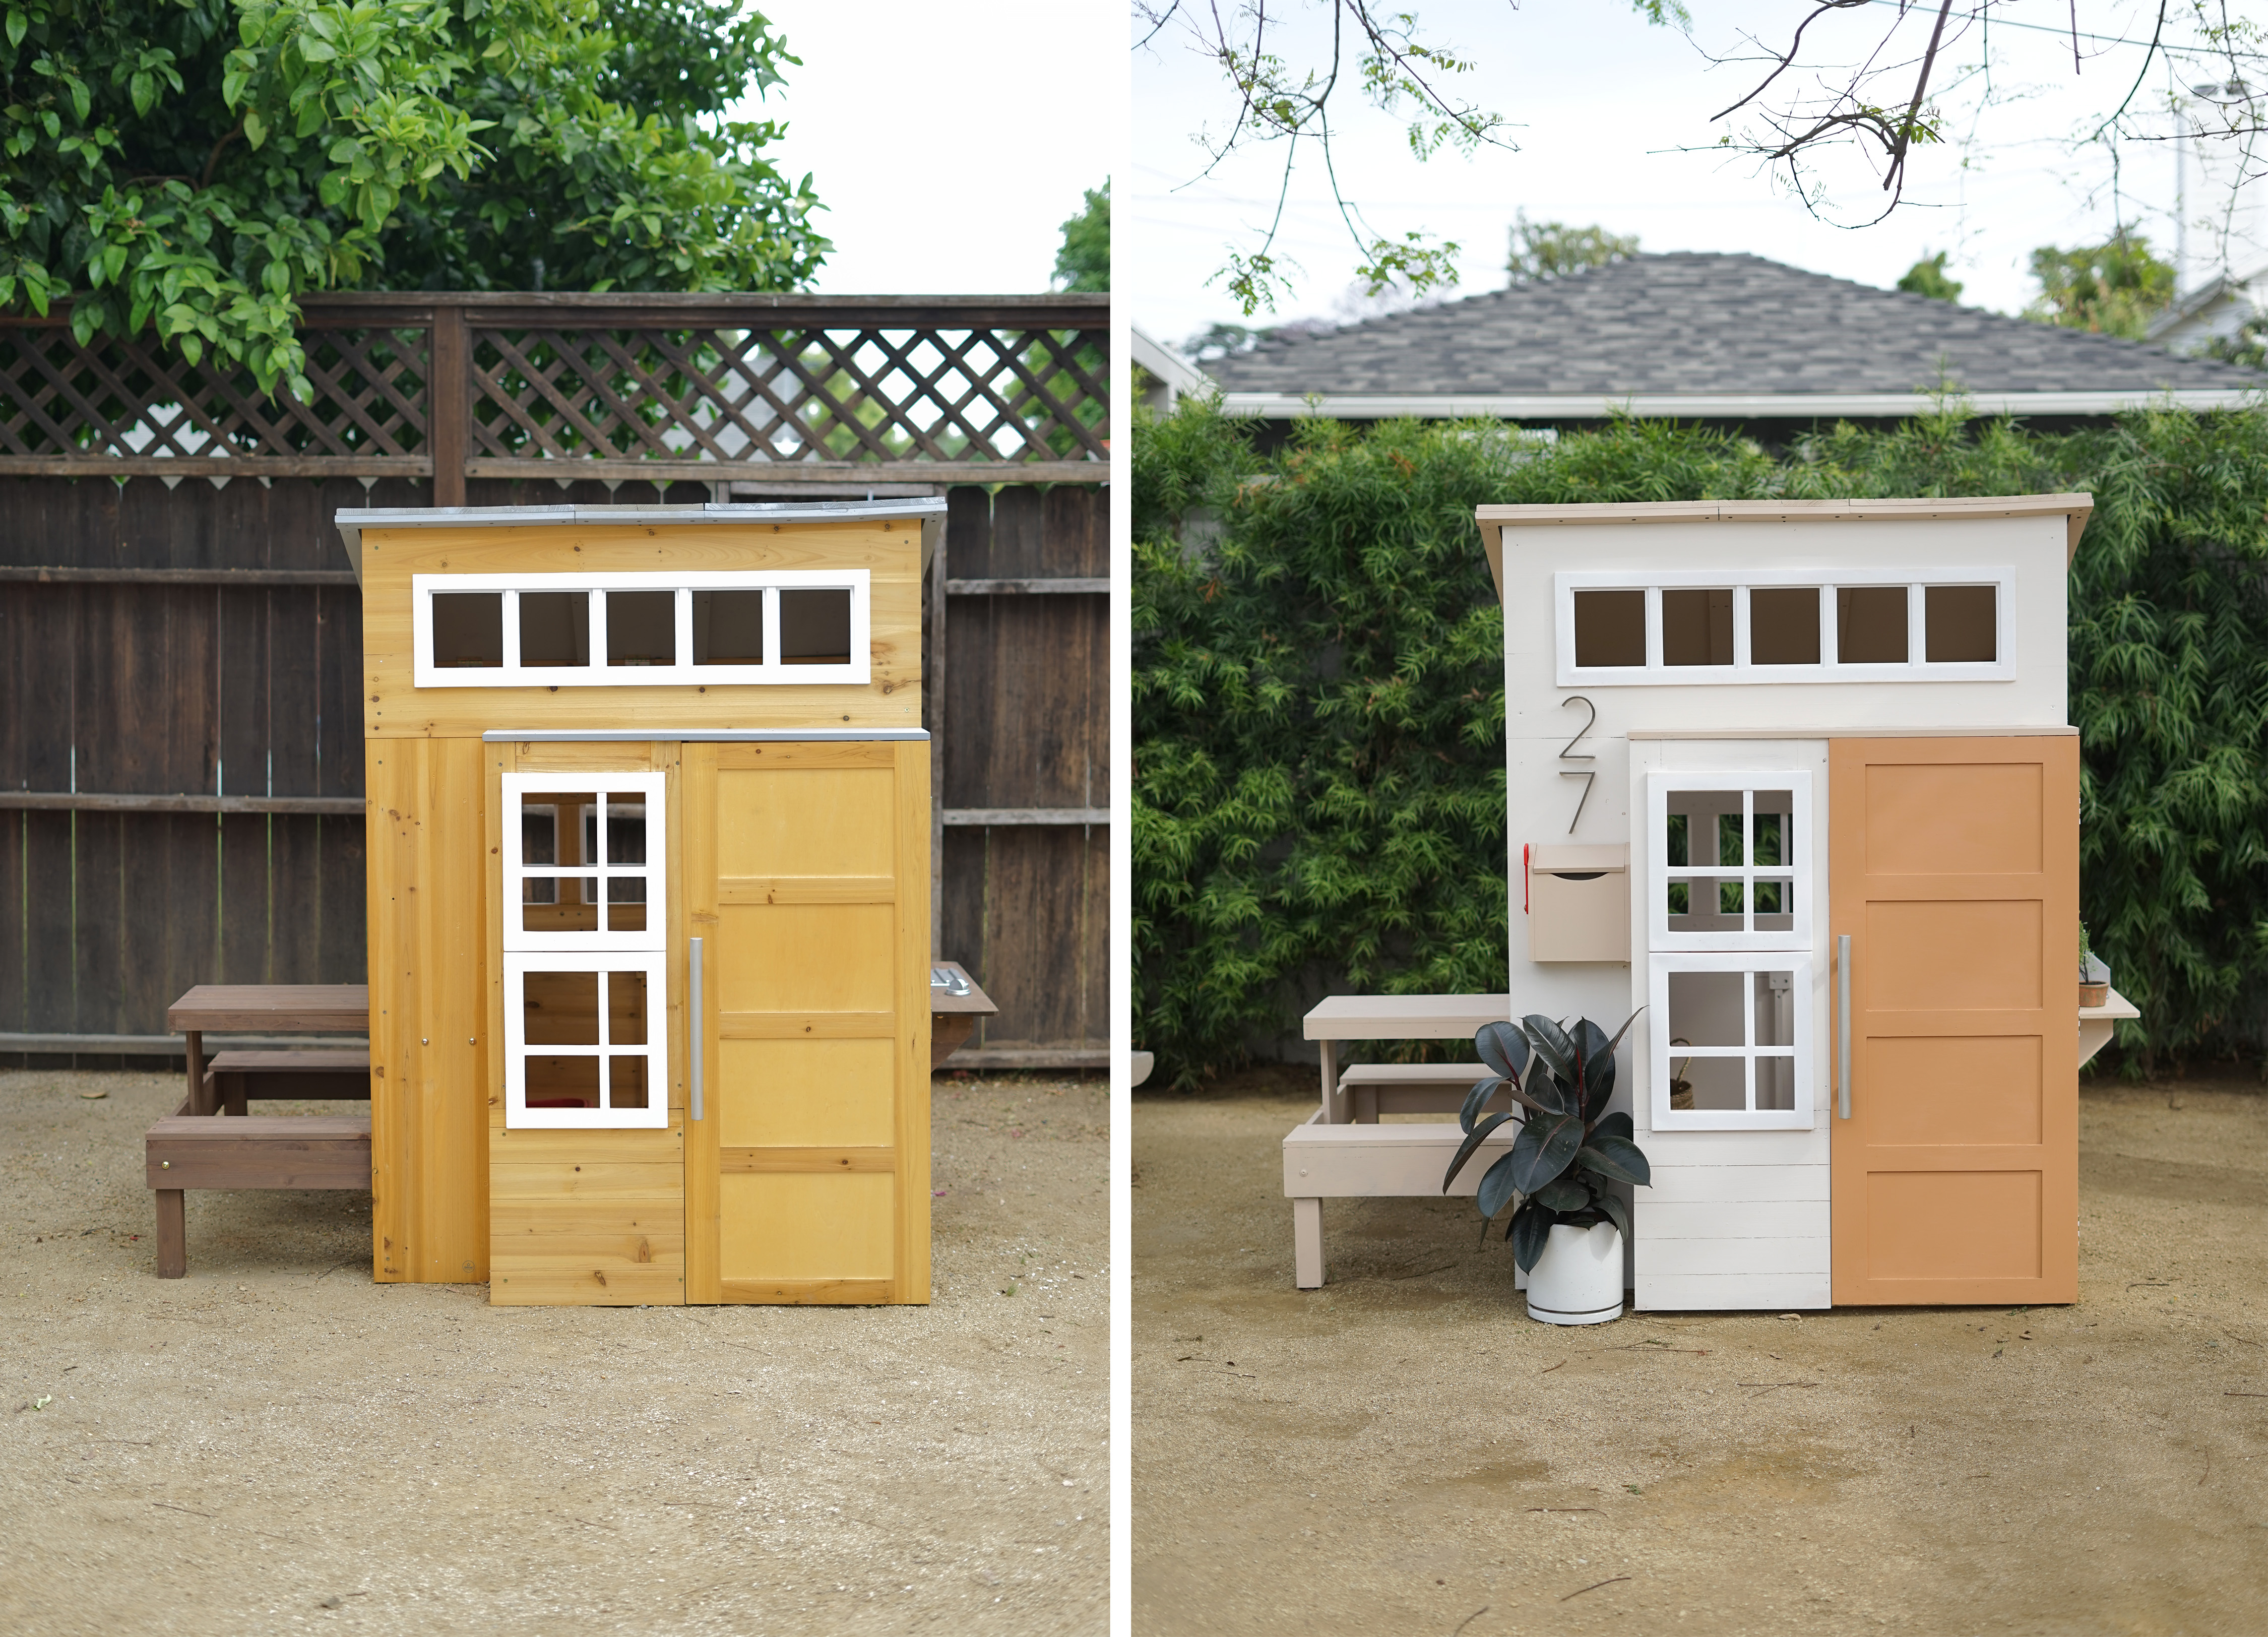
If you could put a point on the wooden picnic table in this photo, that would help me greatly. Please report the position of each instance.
(263, 1008)
(1393, 1017)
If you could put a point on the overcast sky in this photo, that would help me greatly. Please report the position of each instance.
(949, 142)
(1603, 103)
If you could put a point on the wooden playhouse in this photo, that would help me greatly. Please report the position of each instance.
(649, 878)
(1798, 780)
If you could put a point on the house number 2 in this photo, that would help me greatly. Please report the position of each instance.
(1587, 774)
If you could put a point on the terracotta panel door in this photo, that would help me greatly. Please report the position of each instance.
(1953, 871)
(807, 1173)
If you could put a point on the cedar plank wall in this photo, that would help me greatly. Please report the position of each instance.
(1026, 724)
(104, 918)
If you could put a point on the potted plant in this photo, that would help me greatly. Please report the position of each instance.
(2094, 976)
(1568, 1228)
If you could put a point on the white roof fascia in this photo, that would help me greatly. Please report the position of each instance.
(1711, 406)
(1182, 380)
(351, 522)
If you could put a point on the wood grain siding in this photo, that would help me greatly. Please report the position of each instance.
(1024, 723)
(431, 1010)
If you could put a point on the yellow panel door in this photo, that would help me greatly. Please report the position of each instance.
(1953, 871)
(807, 1168)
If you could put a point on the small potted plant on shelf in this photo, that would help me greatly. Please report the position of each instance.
(2094, 976)
(1568, 1228)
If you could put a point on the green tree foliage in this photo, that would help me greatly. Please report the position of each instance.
(1541, 250)
(1083, 262)
(1319, 792)
(1927, 278)
(193, 167)
(2117, 288)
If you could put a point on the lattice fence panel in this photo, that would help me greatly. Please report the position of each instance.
(135, 398)
(830, 394)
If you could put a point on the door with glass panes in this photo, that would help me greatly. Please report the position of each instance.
(807, 1155)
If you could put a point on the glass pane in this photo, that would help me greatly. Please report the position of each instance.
(539, 834)
(1961, 623)
(562, 1082)
(1681, 898)
(1674, 847)
(555, 628)
(560, 1008)
(1870, 624)
(728, 628)
(468, 630)
(1783, 625)
(1697, 627)
(1610, 628)
(1769, 832)
(1775, 1082)
(1718, 1083)
(1775, 1000)
(1704, 1009)
(625, 903)
(626, 1001)
(816, 627)
(626, 830)
(1728, 836)
(626, 1082)
(558, 904)
(566, 843)
(641, 628)
(1775, 904)
(1729, 899)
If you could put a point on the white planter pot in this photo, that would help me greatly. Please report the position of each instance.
(1578, 1278)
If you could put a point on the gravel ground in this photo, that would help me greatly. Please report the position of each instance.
(1404, 1451)
(275, 1443)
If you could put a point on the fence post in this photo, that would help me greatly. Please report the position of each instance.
(448, 395)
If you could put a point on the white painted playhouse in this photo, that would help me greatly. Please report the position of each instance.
(1798, 781)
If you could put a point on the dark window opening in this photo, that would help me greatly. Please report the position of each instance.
(1961, 625)
(641, 628)
(1697, 627)
(1609, 628)
(816, 627)
(468, 630)
(728, 628)
(1870, 625)
(555, 628)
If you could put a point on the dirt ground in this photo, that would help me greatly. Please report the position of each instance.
(1404, 1451)
(275, 1443)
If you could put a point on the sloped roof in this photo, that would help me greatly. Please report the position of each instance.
(1674, 333)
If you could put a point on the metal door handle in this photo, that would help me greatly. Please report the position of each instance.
(1843, 1026)
(698, 1026)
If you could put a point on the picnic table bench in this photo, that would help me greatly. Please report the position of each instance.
(1345, 1151)
(199, 1146)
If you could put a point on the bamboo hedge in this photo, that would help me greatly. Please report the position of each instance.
(1319, 792)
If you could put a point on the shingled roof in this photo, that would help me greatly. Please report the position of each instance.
(1711, 335)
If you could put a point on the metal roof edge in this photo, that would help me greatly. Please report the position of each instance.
(1716, 406)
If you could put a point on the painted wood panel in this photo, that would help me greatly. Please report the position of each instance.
(1721, 1292)
(392, 706)
(1736, 1219)
(1732, 1184)
(1955, 868)
(1672, 1259)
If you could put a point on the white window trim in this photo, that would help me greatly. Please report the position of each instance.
(1741, 582)
(599, 674)
(1659, 871)
(517, 1114)
(1666, 1118)
(655, 935)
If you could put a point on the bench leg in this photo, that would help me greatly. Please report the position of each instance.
(235, 1093)
(172, 1235)
(1365, 1105)
(1308, 1243)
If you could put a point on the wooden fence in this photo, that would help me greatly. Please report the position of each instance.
(181, 755)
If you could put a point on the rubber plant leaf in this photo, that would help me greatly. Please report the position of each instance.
(1617, 1210)
(1503, 1047)
(1617, 1125)
(1552, 1046)
(1542, 1150)
(1476, 1100)
(1618, 1157)
(1529, 1233)
(1564, 1195)
(1474, 1138)
(1496, 1190)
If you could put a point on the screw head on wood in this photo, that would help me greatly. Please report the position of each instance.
(165, 1165)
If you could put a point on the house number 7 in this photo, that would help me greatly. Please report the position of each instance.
(1587, 774)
